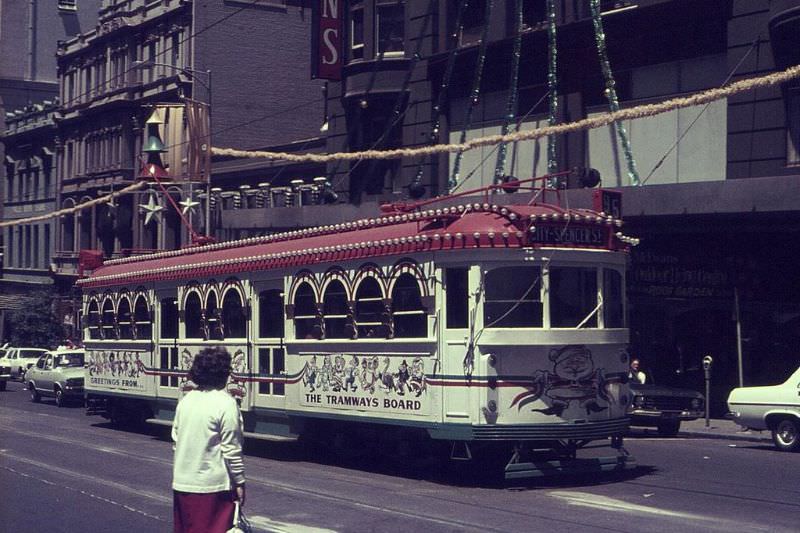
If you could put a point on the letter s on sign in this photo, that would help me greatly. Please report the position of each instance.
(329, 37)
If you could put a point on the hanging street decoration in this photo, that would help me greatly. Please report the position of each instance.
(513, 94)
(552, 88)
(152, 209)
(153, 169)
(188, 206)
(416, 188)
(474, 94)
(611, 91)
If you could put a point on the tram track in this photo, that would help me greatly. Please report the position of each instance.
(380, 496)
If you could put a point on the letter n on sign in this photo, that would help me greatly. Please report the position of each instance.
(326, 45)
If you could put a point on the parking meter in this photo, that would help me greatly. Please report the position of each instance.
(707, 361)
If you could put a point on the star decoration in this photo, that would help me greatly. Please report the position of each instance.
(188, 205)
(152, 209)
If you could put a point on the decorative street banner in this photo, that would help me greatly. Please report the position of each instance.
(366, 383)
(326, 44)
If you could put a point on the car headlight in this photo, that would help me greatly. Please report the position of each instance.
(638, 401)
(75, 382)
(697, 403)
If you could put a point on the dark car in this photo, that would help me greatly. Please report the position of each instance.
(664, 407)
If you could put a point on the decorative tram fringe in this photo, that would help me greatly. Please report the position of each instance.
(647, 110)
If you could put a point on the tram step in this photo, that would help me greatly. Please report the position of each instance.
(259, 436)
(569, 467)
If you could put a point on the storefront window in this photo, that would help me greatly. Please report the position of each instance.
(513, 298)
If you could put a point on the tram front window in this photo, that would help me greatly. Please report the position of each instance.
(513, 297)
(613, 308)
(573, 297)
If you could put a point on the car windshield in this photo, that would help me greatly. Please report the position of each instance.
(69, 359)
(30, 353)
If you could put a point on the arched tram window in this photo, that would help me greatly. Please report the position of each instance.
(234, 319)
(408, 313)
(306, 321)
(370, 309)
(125, 319)
(108, 319)
(94, 320)
(335, 311)
(216, 329)
(193, 316)
(141, 316)
(513, 297)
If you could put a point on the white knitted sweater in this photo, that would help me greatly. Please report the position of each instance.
(207, 431)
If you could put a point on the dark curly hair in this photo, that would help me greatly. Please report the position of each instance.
(211, 368)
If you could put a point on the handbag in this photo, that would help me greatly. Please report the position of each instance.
(240, 523)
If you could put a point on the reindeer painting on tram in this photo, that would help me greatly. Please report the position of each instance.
(498, 330)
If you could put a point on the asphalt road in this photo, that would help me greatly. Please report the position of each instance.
(63, 471)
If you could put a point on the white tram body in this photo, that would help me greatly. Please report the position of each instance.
(472, 324)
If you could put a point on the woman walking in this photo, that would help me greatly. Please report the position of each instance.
(208, 474)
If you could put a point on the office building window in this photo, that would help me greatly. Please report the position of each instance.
(390, 28)
(356, 29)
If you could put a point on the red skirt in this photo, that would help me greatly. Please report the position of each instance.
(202, 513)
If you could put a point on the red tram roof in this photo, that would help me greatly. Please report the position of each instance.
(466, 226)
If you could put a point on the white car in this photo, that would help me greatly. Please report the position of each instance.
(775, 408)
(18, 360)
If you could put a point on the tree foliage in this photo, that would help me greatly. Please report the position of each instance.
(36, 325)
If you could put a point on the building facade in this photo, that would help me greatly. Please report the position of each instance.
(713, 190)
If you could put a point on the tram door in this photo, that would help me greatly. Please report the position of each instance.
(454, 331)
(269, 353)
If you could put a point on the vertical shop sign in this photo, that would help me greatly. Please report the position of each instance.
(326, 46)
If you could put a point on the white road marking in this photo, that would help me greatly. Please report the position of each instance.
(605, 503)
(284, 527)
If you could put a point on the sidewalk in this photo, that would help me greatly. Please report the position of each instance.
(722, 429)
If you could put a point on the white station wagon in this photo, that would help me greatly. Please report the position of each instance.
(776, 408)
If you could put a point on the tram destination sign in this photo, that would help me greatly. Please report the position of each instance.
(586, 236)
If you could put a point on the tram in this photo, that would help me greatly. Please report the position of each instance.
(494, 330)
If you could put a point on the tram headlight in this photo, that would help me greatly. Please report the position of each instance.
(491, 405)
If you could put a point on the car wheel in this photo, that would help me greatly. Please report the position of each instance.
(669, 428)
(786, 435)
(35, 396)
(59, 397)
